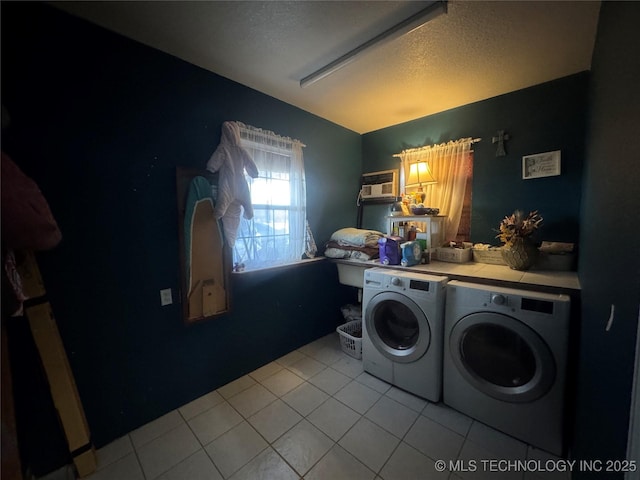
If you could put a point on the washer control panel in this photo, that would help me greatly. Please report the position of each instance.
(419, 285)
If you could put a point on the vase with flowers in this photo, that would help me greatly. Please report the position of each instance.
(519, 250)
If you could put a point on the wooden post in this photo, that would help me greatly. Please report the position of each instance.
(56, 366)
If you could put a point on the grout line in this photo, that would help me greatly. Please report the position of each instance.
(135, 453)
(305, 417)
(212, 462)
(403, 436)
(335, 443)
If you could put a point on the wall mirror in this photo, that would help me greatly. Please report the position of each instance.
(205, 258)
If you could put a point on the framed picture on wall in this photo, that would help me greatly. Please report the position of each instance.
(541, 165)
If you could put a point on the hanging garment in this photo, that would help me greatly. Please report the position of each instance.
(27, 221)
(27, 224)
(231, 160)
(13, 296)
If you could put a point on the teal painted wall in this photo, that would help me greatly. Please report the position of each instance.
(538, 119)
(100, 123)
(610, 264)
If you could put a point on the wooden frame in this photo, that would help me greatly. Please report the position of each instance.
(541, 165)
(184, 175)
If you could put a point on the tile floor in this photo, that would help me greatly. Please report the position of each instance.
(313, 414)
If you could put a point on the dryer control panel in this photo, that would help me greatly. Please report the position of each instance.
(522, 303)
(536, 305)
(419, 285)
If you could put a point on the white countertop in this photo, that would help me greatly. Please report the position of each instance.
(486, 272)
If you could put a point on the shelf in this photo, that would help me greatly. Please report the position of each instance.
(379, 201)
(432, 225)
(413, 218)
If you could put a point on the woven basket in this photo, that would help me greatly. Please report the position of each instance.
(492, 256)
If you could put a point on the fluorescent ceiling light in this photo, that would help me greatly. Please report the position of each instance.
(409, 24)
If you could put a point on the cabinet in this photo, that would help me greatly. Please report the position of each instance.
(432, 226)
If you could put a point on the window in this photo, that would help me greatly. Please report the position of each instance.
(464, 229)
(276, 233)
(451, 166)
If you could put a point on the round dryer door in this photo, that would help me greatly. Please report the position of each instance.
(502, 357)
(397, 327)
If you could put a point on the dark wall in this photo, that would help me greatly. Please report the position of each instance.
(610, 273)
(546, 117)
(100, 123)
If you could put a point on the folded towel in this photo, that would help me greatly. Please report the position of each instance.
(372, 252)
(350, 254)
(357, 237)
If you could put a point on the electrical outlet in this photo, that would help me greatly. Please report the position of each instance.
(165, 297)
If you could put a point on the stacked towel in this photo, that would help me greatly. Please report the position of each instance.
(357, 237)
(353, 243)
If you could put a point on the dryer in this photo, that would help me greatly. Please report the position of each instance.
(402, 329)
(505, 360)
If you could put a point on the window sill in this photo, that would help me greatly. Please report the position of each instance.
(284, 266)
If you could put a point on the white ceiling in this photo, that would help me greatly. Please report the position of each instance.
(478, 50)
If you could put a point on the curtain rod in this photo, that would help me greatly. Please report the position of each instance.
(267, 134)
(417, 149)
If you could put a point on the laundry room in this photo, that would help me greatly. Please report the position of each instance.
(113, 129)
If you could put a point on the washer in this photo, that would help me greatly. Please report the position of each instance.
(505, 359)
(402, 329)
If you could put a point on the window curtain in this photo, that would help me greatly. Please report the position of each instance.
(278, 196)
(450, 165)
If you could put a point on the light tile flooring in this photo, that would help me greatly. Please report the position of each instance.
(312, 414)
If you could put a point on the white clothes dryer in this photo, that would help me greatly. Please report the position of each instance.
(402, 329)
(505, 360)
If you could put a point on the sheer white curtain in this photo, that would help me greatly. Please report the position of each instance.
(450, 164)
(276, 234)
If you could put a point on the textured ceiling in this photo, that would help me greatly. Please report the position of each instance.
(477, 50)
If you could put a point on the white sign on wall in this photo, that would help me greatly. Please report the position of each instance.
(541, 165)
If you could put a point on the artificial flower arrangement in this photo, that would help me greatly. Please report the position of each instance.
(517, 226)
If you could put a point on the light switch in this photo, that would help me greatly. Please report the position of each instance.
(165, 297)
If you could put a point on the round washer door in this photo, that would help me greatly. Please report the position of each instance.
(397, 327)
(502, 357)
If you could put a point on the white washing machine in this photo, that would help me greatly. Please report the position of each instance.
(402, 329)
(505, 359)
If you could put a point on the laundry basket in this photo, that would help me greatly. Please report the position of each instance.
(351, 338)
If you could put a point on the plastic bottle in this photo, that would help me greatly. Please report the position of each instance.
(402, 230)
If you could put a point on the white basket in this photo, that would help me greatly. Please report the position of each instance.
(454, 255)
(351, 345)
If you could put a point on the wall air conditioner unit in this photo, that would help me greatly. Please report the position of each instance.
(379, 185)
